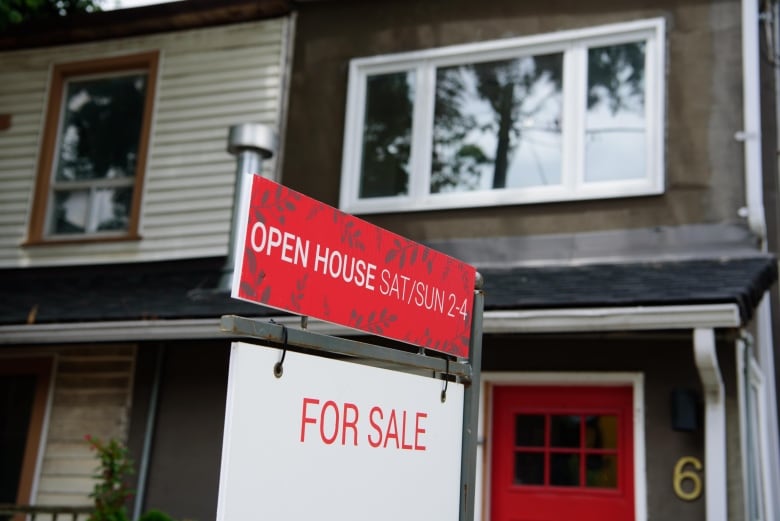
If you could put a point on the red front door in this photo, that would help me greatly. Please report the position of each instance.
(562, 454)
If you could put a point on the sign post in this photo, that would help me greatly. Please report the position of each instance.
(304, 257)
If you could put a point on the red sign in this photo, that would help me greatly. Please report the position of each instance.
(306, 257)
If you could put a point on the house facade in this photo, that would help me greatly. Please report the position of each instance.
(115, 169)
(601, 164)
(608, 167)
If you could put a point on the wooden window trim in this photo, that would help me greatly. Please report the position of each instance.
(148, 61)
(41, 367)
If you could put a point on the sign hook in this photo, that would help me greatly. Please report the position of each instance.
(279, 366)
(446, 381)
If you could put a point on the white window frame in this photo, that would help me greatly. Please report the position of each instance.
(574, 45)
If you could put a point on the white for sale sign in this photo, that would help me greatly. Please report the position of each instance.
(337, 440)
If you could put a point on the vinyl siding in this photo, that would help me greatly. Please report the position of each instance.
(209, 79)
(91, 395)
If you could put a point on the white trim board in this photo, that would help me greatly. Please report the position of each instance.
(638, 318)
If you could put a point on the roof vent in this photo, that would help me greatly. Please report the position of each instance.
(251, 143)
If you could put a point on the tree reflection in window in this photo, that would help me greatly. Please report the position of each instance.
(387, 135)
(95, 164)
(497, 124)
(615, 123)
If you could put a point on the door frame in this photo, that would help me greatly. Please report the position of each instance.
(44, 367)
(560, 379)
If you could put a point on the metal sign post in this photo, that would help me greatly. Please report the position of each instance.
(468, 462)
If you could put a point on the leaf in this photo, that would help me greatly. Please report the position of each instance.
(266, 294)
(251, 263)
(390, 255)
(247, 289)
(264, 199)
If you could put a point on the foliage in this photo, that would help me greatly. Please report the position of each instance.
(17, 11)
(155, 515)
(111, 490)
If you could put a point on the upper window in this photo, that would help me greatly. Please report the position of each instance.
(569, 115)
(94, 149)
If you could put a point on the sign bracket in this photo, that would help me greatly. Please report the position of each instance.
(276, 333)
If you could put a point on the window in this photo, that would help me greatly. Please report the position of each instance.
(565, 116)
(94, 149)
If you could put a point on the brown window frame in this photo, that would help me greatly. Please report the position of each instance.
(148, 61)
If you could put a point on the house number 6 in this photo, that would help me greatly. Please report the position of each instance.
(681, 475)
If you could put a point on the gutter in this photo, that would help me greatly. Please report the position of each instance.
(644, 318)
(750, 135)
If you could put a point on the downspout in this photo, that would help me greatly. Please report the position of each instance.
(750, 135)
(715, 466)
(151, 420)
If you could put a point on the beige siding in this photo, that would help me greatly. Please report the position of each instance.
(209, 80)
(90, 393)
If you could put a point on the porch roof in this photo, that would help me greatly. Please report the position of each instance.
(184, 289)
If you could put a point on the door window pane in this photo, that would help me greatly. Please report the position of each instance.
(529, 430)
(387, 133)
(565, 470)
(498, 125)
(601, 432)
(601, 470)
(529, 468)
(615, 126)
(565, 431)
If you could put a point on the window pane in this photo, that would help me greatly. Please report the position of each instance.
(601, 432)
(80, 211)
(497, 125)
(529, 430)
(101, 128)
(601, 470)
(565, 431)
(615, 125)
(529, 469)
(387, 133)
(70, 211)
(565, 470)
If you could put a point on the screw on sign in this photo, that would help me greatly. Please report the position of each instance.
(303, 256)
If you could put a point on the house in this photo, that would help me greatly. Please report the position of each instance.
(601, 164)
(608, 167)
(110, 267)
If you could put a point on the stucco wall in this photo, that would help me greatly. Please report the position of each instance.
(703, 106)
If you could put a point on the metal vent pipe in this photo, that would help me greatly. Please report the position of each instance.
(251, 143)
